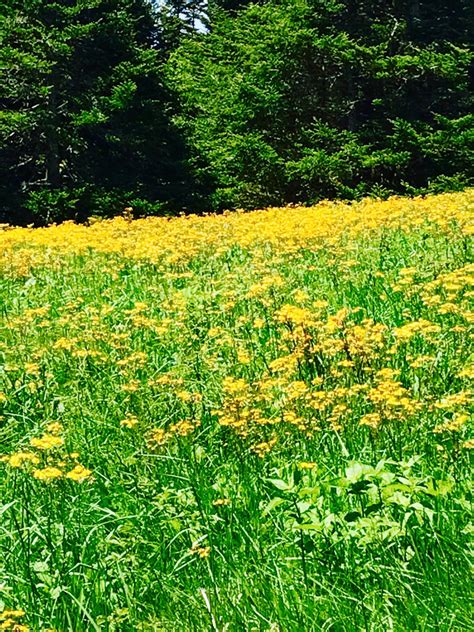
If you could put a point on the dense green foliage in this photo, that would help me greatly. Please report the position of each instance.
(188, 105)
(298, 100)
(83, 120)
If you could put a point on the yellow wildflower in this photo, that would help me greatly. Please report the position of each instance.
(55, 428)
(372, 420)
(47, 473)
(158, 436)
(201, 551)
(79, 473)
(46, 442)
(221, 501)
(19, 458)
(129, 422)
(307, 465)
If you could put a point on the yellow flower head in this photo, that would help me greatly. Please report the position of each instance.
(129, 422)
(201, 551)
(55, 428)
(47, 473)
(307, 465)
(19, 458)
(79, 473)
(46, 442)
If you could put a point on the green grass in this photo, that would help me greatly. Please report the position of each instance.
(322, 524)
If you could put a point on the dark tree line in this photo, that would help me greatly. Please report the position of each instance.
(195, 105)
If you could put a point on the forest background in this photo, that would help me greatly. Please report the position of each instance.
(202, 106)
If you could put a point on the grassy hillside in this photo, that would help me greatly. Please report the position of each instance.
(241, 422)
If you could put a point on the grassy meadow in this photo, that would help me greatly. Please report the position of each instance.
(239, 422)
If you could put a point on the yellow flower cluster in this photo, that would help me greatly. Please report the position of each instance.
(280, 322)
(390, 398)
(46, 462)
(9, 621)
(417, 327)
(158, 436)
(325, 348)
(180, 239)
(200, 551)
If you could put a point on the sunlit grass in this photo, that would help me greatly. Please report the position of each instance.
(240, 422)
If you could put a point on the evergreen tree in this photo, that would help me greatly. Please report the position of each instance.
(265, 102)
(180, 19)
(294, 100)
(82, 108)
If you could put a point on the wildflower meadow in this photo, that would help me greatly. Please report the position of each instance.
(239, 422)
